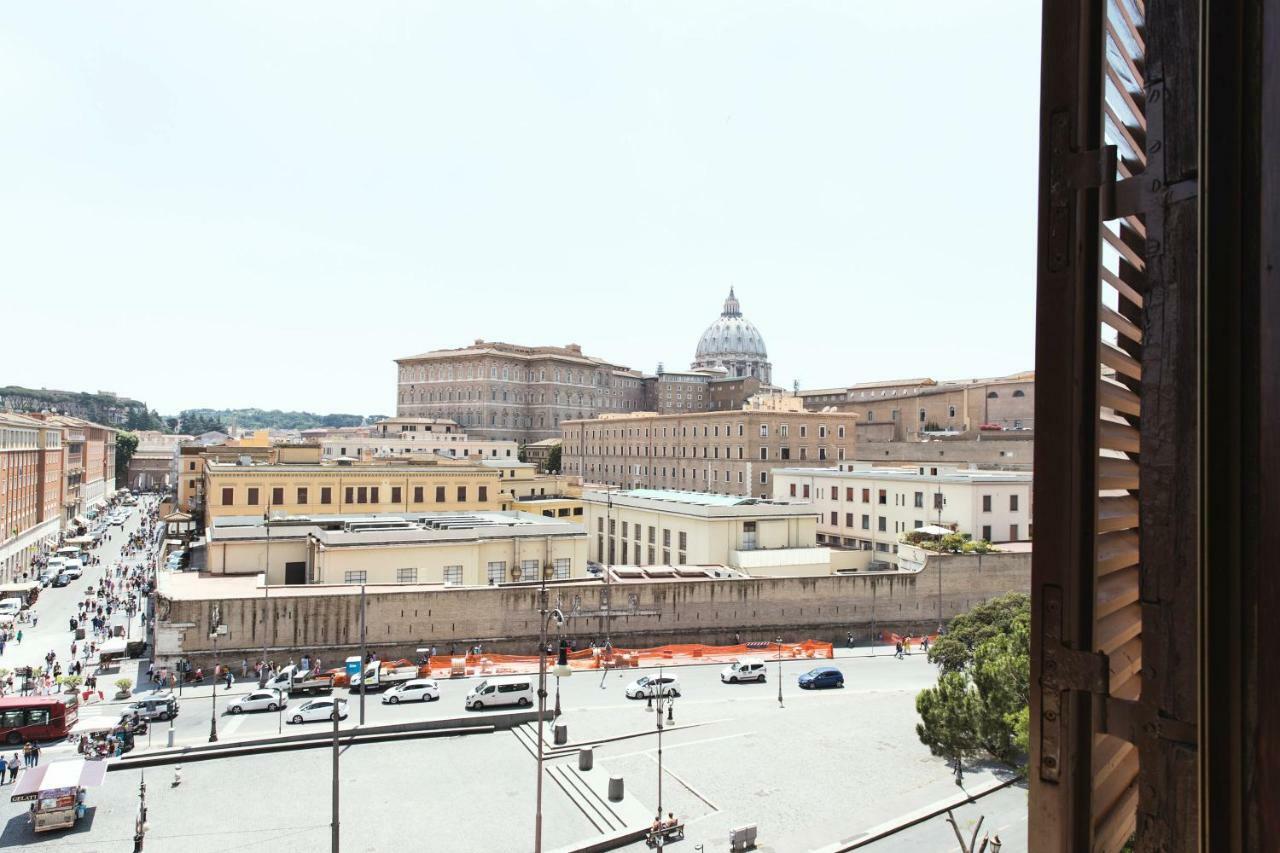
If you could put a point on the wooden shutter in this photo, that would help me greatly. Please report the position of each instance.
(1114, 560)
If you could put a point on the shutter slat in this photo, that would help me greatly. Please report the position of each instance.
(1117, 590)
(1125, 664)
(1117, 513)
(1116, 474)
(1116, 629)
(1115, 436)
(1126, 251)
(1120, 362)
(1127, 289)
(1121, 324)
(1113, 396)
(1119, 823)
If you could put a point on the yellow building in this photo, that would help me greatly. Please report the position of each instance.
(454, 549)
(522, 480)
(552, 506)
(647, 527)
(246, 488)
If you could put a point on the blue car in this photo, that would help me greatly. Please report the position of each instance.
(823, 676)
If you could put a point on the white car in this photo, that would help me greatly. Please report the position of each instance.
(258, 700)
(73, 568)
(742, 670)
(417, 690)
(645, 686)
(318, 709)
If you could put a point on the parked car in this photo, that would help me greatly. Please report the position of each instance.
(258, 700)
(61, 579)
(418, 690)
(991, 427)
(489, 693)
(47, 576)
(646, 686)
(73, 569)
(823, 676)
(743, 670)
(318, 709)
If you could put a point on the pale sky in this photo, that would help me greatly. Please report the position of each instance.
(236, 204)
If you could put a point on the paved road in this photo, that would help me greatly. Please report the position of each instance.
(58, 604)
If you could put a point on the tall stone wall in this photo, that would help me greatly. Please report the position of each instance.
(1000, 451)
(505, 619)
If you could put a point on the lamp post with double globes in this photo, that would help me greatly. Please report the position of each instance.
(562, 670)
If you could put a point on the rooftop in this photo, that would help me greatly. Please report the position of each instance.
(946, 473)
(398, 528)
(698, 503)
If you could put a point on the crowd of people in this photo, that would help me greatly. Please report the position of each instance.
(124, 588)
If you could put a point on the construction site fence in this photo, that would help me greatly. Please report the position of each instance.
(458, 666)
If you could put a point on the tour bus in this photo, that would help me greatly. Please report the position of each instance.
(34, 718)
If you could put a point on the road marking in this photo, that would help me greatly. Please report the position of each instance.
(666, 747)
(687, 786)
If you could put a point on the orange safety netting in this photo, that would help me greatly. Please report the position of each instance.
(444, 666)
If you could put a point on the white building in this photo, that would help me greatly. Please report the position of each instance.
(865, 507)
(398, 437)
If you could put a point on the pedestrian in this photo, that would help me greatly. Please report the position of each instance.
(244, 667)
(73, 649)
(26, 754)
(230, 679)
(35, 754)
(13, 767)
(849, 639)
(19, 636)
(151, 671)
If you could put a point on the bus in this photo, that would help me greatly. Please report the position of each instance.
(34, 718)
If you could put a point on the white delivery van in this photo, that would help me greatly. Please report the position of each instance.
(493, 694)
(743, 669)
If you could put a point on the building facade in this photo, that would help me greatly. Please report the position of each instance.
(648, 527)
(513, 393)
(733, 345)
(400, 437)
(154, 462)
(731, 453)
(247, 488)
(30, 492)
(449, 549)
(912, 409)
(869, 508)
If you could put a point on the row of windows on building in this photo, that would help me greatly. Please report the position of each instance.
(711, 431)
(495, 573)
(882, 525)
(783, 453)
(629, 550)
(801, 490)
(706, 474)
(450, 395)
(449, 373)
(351, 495)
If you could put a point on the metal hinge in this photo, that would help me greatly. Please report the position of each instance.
(1062, 669)
(1070, 171)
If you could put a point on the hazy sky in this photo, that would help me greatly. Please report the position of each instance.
(263, 204)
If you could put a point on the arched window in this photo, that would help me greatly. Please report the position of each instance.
(1019, 393)
(506, 374)
(992, 395)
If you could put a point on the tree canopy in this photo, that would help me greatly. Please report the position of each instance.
(126, 445)
(980, 704)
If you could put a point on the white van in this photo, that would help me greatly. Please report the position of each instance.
(743, 669)
(493, 694)
(10, 607)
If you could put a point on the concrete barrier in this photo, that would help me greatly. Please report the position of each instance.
(586, 758)
(615, 789)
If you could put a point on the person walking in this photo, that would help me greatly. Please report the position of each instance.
(18, 636)
(26, 754)
(35, 754)
(244, 667)
(13, 767)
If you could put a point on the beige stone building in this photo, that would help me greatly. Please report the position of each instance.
(447, 548)
(539, 452)
(401, 437)
(914, 408)
(301, 485)
(868, 508)
(648, 527)
(730, 452)
(510, 392)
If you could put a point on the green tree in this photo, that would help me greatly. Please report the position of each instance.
(553, 460)
(126, 446)
(980, 703)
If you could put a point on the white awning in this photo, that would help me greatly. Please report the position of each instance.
(934, 530)
(77, 773)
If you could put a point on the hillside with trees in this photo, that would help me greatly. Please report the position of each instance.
(102, 407)
(195, 421)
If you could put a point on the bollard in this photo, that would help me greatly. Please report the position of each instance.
(586, 758)
(562, 734)
(170, 743)
(615, 789)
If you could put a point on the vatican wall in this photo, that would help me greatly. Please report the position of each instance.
(505, 619)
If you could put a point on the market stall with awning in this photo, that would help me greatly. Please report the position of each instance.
(57, 789)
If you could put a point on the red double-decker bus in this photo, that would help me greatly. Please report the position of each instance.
(34, 718)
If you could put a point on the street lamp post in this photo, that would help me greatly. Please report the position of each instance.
(779, 641)
(266, 583)
(215, 627)
(140, 823)
(561, 670)
(364, 673)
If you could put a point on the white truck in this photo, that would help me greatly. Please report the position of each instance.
(380, 675)
(295, 682)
